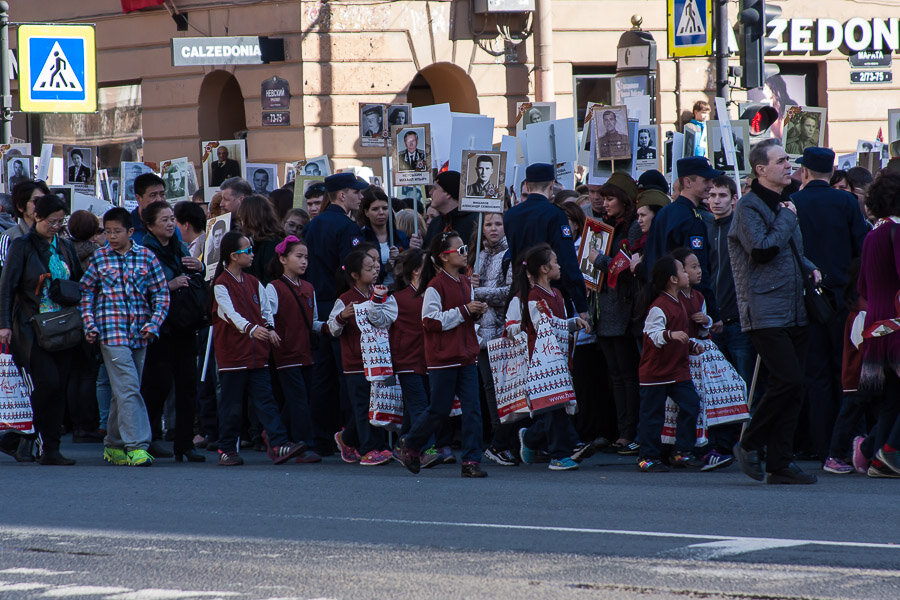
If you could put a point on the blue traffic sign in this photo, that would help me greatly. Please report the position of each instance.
(58, 68)
(689, 27)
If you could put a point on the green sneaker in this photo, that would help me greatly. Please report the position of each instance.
(114, 456)
(139, 458)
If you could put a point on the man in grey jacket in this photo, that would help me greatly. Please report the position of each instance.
(766, 251)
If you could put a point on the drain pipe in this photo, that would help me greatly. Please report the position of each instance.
(543, 41)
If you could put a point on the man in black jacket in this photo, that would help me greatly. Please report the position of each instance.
(445, 200)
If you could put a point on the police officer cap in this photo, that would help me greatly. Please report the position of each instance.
(344, 181)
(653, 180)
(820, 160)
(697, 165)
(540, 173)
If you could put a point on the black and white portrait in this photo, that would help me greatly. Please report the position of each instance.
(803, 127)
(174, 173)
(79, 166)
(740, 137)
(128, 172)
(483, 180)
(646, 144)
(222, 159)
(372, 124)
(534, 112)
(18, 169)
(399, 114)
(263, 177)
(215, 231)
(611, 126)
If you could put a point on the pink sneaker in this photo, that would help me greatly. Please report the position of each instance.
(373, 458)
(836, 466)
(860, 462)
(348, 453)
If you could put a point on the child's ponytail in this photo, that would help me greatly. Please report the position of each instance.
(352, 264)
(664, 268)
(432, 264)
(527, 270)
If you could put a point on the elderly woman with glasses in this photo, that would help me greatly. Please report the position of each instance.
(33, 263)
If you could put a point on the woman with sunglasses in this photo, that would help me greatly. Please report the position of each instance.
(33, 262)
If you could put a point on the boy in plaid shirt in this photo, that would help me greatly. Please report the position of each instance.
(124, 301)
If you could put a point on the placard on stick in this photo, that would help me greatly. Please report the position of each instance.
(483, 182)
(411, 152)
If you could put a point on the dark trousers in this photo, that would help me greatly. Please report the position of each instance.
(84, 411)
(256, 384)
(722, 438)
(370, 438)
(207, 401)
(887, 430)
(328, 400)
(171, 360)
(775, 415)
(622, 361)
(822, 398)
(850, 422)
(445, 385)
(415, 398)
(50, 372)
(596, 414)
(736, 347)
(503, 435)
(295, 412)
(653, 417)
(555, 430)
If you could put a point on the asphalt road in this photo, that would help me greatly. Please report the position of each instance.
(347, 532)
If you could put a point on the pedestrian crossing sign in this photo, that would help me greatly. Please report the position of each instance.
(689, 27)
(58, 68)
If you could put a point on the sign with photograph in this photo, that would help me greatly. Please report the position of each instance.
(533, 112)
(646, 149)
(222, 159)
(399, 114)
(301, 186)
(128, 172)
(313, 167)
(416, 193)
(803, 127)
(175, 173)
(483, 181)
(601, 169)
(610, 126)
(215, 230)
(846, 161)
(372, 128)
(275, 94)
(598, 236)
(80, 173)
(17, 169)
(411, 154)
(263, 177)
(740, 141)
(65, 192)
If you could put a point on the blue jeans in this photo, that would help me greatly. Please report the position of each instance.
(736, 346)
(415, 398)
(446, 384)
(295, 413)
(653, 416)
(555, 430)
(255, 383)
(370, 438)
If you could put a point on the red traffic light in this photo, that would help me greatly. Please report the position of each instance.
(760, 116)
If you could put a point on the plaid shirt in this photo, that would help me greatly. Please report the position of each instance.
(123, 296)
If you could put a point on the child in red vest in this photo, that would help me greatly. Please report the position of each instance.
(532, 287)
(292, 302)
(242, 334)
(664, 370)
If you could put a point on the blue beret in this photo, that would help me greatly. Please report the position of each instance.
(540, 173)
(344, 181)
(697, 165)
(820, 160)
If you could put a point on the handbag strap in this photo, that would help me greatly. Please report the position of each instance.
(290, 287)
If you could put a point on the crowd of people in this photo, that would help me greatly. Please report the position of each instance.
(792, 275)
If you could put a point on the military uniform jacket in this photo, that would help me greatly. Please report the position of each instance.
(330, 237)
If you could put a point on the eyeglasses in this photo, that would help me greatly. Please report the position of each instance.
(462, 250)
(247, 250)
(55, 223)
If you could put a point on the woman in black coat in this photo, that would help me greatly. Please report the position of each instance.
(32, 263)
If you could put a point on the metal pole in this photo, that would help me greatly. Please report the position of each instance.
(6, 99)
(721, 21)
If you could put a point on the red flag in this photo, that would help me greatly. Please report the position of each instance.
(620, 262)
(132, 5)
(880, 136)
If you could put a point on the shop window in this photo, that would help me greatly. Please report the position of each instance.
(591, 84)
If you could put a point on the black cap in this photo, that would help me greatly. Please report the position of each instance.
(449, 182)
(697, 165)
(653, 180)
(540, 173)
(820, 160)
(344, 181)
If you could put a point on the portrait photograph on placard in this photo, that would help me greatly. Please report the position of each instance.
(222, 159)
(66, 192)
(534, 112)
(803, 127)
(174, 173)
(79, 169)
(263, 177)
(416, 193)
(313, 167)
(215, 231)
(301, 186)
(846, 161)
(646, 149)
(610, 126)
(128, 172)
(372, 125)
(601, 169)
(411, 152)
(483, 181)
(17, 170)
(740, 137)
(597, 235)
(114, 190)
(399, 114)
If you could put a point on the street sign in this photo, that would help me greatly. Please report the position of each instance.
(689, 25)
(279, 118)
(870, 58)
(871, 77)
(58, 68)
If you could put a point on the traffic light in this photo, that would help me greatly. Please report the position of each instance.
(760, 116)
(753, 20)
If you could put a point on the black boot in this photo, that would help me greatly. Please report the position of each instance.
(53, 457)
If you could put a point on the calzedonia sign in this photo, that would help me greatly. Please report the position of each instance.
(237, 50)
(827, 35)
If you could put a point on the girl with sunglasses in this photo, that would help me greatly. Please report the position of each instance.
(243, 334)
(451, 349)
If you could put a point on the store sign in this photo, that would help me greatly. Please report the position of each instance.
(238, 50)
(870, 58)
(871, 77)
(275, 94)
(827, 35)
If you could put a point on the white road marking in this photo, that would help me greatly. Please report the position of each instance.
(27, 571)
(160, 594)
(73, 591)
(21, 587)
(723, 548)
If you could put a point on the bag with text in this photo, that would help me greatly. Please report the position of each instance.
(549, 381)
(386, 406)
(15, 403)
(509, 370)
(375, 345)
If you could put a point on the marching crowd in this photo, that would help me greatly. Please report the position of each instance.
(316, 318)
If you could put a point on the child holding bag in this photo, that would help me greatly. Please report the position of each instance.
(242, 335)
(451, 349)
(664, 370)
(532, 288)
(292, 302)
(359, 274)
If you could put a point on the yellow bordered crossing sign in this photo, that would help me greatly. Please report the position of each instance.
(57, 68)
(689, 25)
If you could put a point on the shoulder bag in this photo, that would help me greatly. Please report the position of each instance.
(313, 336)
(61, 329)
(819, 301)
(187, 305)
